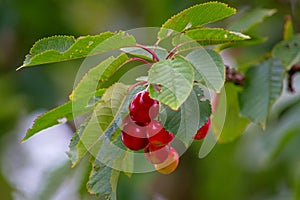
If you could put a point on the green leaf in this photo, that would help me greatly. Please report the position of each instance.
(244, 24)
(114, 154)
(107, 152)
(102, 120)
(59, 43)
(263, 86)
(279, 138)
(98, 75)
(108, 72)
(195, 16)
(86, 168)
(209, 36)
(175, 78)
(137, 51)
(234, 125)
(53, 117)
(288, 51)
(64, 48)
(209, 68)
(192, 115)
(288, 30)
(285, 130)
(254, 40)
(84, 93)
(111, 149)
(73, 153)
(103, 181)
(58, 115)
(250, 19)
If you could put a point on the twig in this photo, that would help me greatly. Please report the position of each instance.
(234, 76)
(141, 60)
(291, 74)
(136, 84)
(172, 52)
(154, 56)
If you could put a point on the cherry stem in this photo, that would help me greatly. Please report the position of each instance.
(295, 68)
(173, 50)
(157, 88)
(154, 56)
(137, 84)
(141, 60)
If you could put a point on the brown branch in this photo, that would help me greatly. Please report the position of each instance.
(291, 74)
(238, 78)
(234, 76)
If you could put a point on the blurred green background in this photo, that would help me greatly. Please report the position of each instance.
(245, 169)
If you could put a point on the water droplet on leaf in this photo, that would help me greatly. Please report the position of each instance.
(189, 25)
(62, 120)
(90, 43)
(170, 31)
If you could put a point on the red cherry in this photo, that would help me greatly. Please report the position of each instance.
(143, 108)
(202, 132)
(133, 135)
(170, 164)
(155, 154)
(157, 134)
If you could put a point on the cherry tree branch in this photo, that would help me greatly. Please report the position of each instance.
(291, 74)
(234, 76)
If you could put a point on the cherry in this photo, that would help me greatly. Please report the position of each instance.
(155, 154)
(133, 135)
(157, 134)
(202, 132)
(143, 108)
(170, 164)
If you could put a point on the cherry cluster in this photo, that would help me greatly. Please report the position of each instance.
(141, 131)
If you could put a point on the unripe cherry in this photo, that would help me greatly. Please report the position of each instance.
(170, 164)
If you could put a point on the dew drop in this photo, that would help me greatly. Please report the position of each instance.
(62, 120)
(170, 31)
(189, 25)
(90, 43)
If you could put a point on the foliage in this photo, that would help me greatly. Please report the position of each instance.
(264, 85)
(179, 79)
